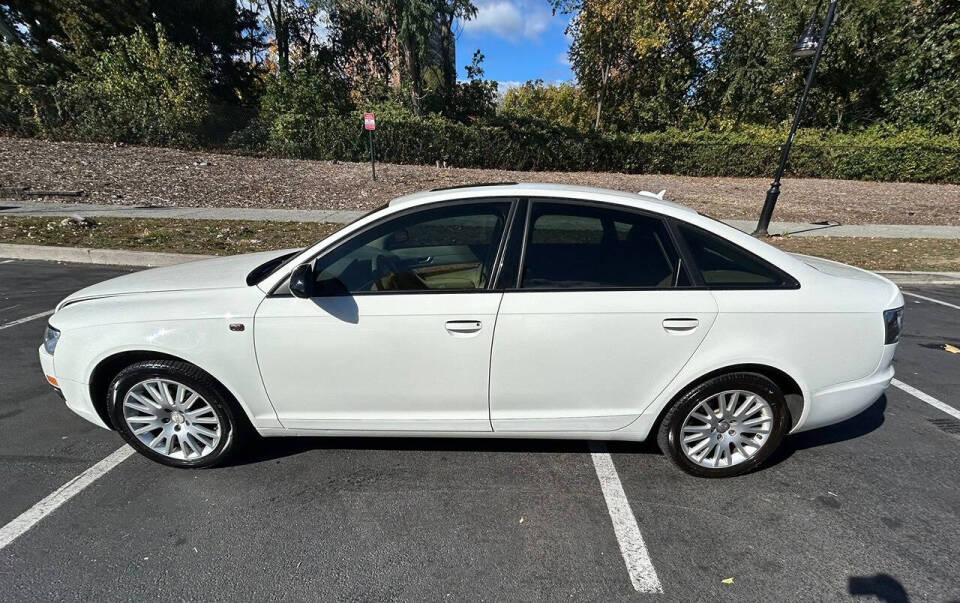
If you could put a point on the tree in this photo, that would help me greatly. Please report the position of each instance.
(643, 58)
(565, 104)
(62, 32)
(926, 76)
(447, 12)
(141, 88)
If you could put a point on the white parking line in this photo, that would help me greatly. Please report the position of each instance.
(930, 299)
(51, 503)
(6, 261)
(916, 393)
(634, 551)
(20, 321)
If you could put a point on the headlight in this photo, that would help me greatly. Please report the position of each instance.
(50, 338)
(893, 324)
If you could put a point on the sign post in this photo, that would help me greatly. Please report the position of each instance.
(370, 124)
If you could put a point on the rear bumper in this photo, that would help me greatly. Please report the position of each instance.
(76, 395)
(840, 402)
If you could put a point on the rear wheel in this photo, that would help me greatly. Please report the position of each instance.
(725, 426)
(173, 413)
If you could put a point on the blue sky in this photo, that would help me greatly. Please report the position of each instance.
(521, 40)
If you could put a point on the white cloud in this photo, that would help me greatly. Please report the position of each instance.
(564, 59)
(510, 19)
(502, 87)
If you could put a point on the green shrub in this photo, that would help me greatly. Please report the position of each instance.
(25, 103)
(519, 144)
(137, 90)
(564, 104)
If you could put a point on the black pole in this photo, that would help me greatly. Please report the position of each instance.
(774, 191)
(373, 166)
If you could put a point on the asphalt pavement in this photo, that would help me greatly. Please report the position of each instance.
(865, 510)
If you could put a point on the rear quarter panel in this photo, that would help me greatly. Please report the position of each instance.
(828, 332)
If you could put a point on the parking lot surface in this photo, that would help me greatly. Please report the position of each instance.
(869, 508)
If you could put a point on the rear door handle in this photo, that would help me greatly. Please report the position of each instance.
(680, 325)
(463, 327)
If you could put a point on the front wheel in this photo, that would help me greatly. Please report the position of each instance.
(725, 426)
(173, 413)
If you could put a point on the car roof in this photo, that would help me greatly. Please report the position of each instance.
(640, 200)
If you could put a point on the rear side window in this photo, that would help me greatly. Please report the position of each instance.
(587, 247)
(723, 264)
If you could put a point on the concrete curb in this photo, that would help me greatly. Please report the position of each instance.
(901, 277)
(86, 255)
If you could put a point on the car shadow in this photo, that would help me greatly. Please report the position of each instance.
(860, 425)
(267, 449)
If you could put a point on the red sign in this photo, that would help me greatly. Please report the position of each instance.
(369, 121)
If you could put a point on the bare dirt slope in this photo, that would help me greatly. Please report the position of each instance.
(132, 175)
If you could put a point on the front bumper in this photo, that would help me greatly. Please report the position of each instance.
(76, 395)
(842, 401)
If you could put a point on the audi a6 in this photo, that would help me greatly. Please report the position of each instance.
(508, 310)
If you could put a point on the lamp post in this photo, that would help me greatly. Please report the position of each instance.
(811, 43)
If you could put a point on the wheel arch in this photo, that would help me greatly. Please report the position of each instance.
(791, 389)
(108, 368)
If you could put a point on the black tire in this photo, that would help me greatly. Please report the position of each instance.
(668, 435)
(200, 382)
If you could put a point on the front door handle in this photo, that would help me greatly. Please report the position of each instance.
(679, 326)
(463, 327)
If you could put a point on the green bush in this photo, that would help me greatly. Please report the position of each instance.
(137, 90)
(563, 104)
(25, 102)
(518, 144)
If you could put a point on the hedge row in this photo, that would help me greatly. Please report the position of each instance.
(905, 156)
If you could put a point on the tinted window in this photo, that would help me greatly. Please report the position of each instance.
(585, 247)
(450, 247)
(723, 263)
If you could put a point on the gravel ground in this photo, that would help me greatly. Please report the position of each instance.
(131, 175)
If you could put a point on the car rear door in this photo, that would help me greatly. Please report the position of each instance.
(599, 320)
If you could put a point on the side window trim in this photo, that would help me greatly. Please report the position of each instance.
(686, 257)
(516, 223)
(665, 220)
(787, 280)
(524, 243)
(513, 201)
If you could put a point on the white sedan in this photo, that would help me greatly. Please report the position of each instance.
(507, 310)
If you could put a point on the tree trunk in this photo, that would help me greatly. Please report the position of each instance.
(281, 28)
(603, 91)
(447, 61)
(413, 70)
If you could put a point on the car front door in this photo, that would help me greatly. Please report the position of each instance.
(599, 320)
(399, 336)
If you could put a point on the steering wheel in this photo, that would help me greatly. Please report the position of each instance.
(388, 265)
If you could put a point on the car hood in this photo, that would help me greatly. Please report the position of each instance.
(215, 273)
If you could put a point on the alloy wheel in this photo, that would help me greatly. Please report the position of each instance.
(172, 419)
(726, 429)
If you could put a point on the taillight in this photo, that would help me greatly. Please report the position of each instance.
(893, 324)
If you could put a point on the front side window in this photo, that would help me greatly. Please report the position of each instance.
(451, 247)
(723, 264)
(587, 247)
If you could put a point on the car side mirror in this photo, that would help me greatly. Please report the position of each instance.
(302, 281)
